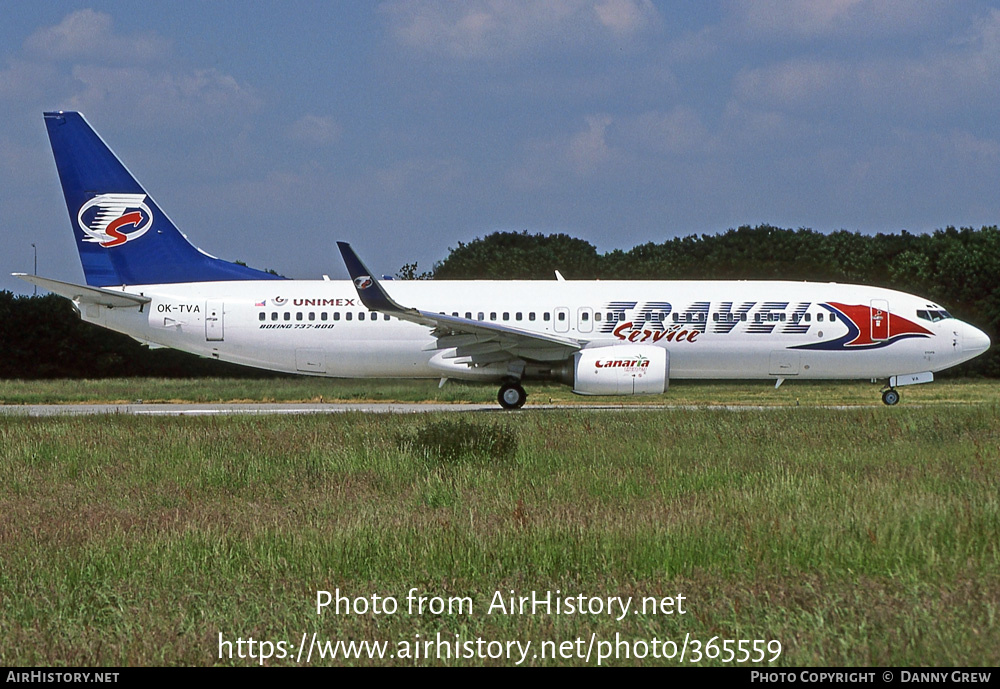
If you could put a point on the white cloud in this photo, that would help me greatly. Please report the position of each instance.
(625, 17)
(796, 83)
(89, 35)
(583, 153)
(505, 28)
(83, 63)
(160, 97)
(23, 80)
(806, 19)
(315, 130)
(588, 149)
(679, 130)
(959, 73)
(426, 173)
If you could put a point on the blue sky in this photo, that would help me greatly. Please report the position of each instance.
(268, 131)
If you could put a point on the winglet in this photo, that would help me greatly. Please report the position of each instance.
(535, 345)
(370, 290)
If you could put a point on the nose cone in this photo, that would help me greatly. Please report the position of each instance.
(975, 341)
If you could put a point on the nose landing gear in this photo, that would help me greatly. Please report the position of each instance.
(890, 396)
(889, 393)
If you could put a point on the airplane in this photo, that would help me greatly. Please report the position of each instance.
(610, 337)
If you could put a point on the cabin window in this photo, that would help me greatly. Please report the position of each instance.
(468, 315)
(361, 316)
(517, 316)
(323, 315)
(584, 316)
(493, 315)
(833, 317)
(312, 315)
(288, 316)
(336, 315)
(531, 316)
(819, 317)
(597, 316)
(274, 315)
(455, 314)
(481, 316)
(348, 316)
(546, 316)
(262, 316)
(385, 316)
(506, 315)
(808, 317)
(298, 315)
(562, 316)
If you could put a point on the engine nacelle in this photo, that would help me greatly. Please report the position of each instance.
(621, 370)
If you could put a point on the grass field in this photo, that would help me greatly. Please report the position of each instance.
(867, 536)
(306, 389)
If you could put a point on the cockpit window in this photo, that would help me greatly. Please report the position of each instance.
(933, 315)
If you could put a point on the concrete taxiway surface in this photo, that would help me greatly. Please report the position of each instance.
(190, 409)
(185, 409)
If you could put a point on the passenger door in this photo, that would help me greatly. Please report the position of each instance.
(880, 320)
(214, 324)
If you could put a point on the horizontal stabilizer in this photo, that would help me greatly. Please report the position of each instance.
(86, 295)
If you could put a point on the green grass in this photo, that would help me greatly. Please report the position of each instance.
(308, 389)
(865, 536)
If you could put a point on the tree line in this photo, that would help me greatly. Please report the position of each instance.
(42, 337)
(957, 268)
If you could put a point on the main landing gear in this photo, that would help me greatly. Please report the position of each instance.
(890, 396)
(512, 395)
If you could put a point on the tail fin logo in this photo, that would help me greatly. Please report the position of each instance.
(363, 282)
(104, 218)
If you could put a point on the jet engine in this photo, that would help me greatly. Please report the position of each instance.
(621, 370)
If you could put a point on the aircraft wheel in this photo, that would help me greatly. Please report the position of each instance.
(890, 396)
(512, 396)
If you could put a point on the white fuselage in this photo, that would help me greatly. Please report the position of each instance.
(711, 329)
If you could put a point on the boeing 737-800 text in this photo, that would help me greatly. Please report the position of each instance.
(600, 337)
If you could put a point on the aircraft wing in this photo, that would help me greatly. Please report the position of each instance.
(85, 295)
(482, 342)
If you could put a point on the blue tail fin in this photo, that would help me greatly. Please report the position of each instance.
(122, 235)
